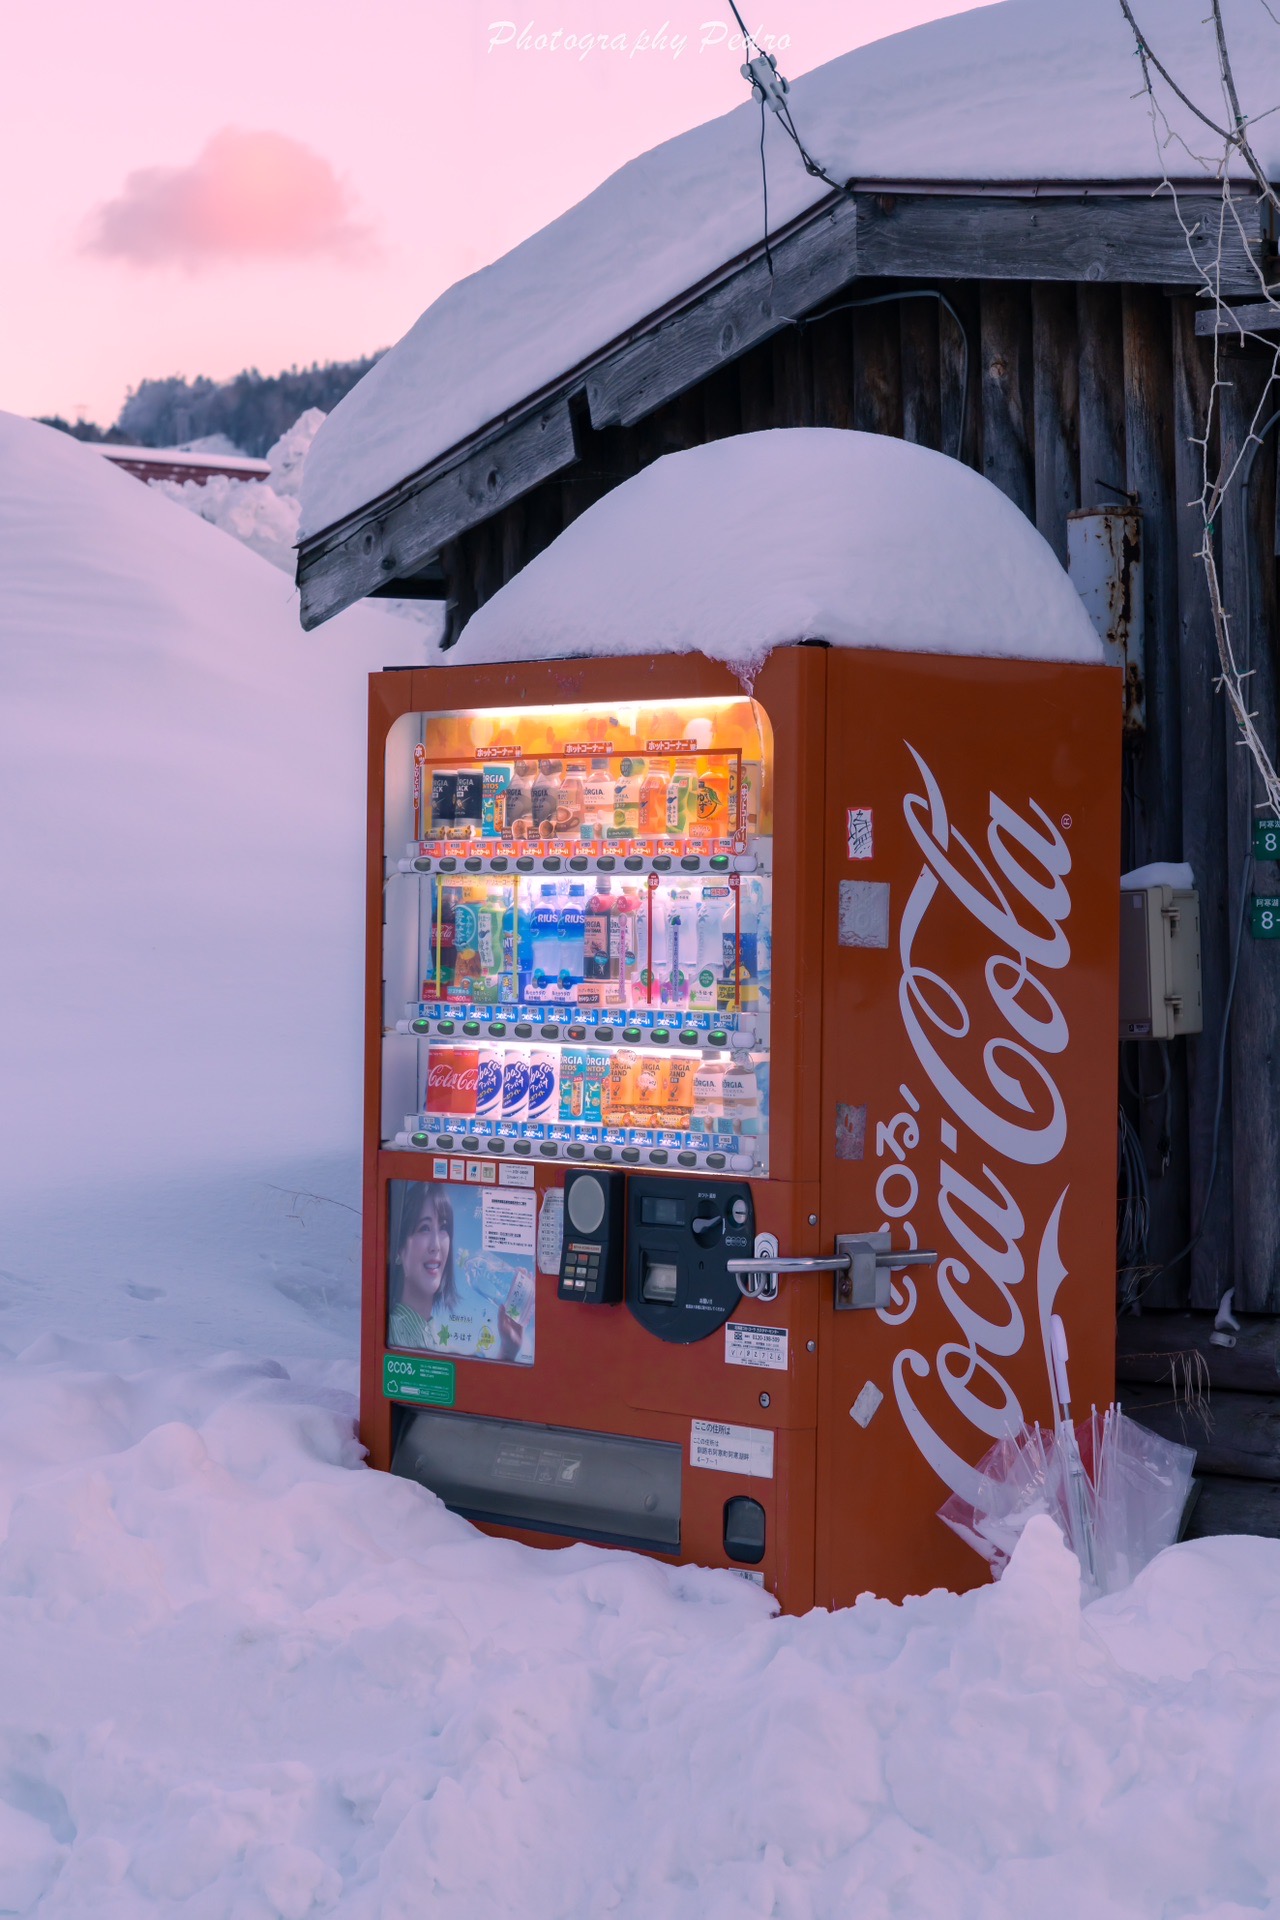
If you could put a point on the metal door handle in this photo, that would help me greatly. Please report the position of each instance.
(862, 1263)
(795, 1263)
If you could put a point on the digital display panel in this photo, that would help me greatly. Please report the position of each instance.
(661, 1212)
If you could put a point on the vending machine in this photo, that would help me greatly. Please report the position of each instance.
(741, 1096)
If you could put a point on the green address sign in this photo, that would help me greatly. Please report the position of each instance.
(428, 1383)
(1264, 917)
(1266, 839)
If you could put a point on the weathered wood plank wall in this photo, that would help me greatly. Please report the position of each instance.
(1076, 394)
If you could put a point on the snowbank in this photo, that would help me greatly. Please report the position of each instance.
(242, 1676)
(181, 840)
(800, 533)
(1031, 90)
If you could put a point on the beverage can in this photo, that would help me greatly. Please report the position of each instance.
(712, 802)
(496, 782)
(573, 1085)
(544, 1085)
(489, 1076)
(515, 1084)
(596, 1073)
(443, 798)
(675, 1089)
(468, 804)
(619, 1093)
(453, 1075)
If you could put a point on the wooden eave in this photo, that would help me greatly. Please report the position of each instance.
(916, 231)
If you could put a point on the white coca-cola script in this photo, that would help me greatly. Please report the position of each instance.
(1012, 1112)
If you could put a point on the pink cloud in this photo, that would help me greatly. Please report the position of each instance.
(248, 195)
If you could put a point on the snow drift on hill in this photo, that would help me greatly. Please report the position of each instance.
(800, 533)
(181, 837)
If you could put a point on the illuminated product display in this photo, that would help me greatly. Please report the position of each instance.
(577, 947)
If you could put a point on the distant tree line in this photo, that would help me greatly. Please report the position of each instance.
(251, 409)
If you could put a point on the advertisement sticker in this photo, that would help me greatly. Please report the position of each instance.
(459, 1280)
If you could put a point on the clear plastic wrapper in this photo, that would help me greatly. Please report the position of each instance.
(1116, 1491)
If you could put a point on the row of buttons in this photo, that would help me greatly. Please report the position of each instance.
(524, 1030)
(576, 1150)
(579, 863)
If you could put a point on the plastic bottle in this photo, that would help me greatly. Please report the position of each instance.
(599, 961)
(546, 798)
(626, 800)
(678, 948)
(517, 946)
(518, 802)
(597, 802)
(653, 800)
(569, 802)
(681, 800)
(712, 910)
(572, 936)
(625, 935)
(742, 965)
(544, 940)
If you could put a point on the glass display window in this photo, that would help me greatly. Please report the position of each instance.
(578, 932)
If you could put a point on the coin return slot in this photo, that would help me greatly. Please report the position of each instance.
(660, 1281)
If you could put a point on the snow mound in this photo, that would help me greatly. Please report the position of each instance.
(1030, 90)
(181, 839)
(243, 1676)
(748, 543)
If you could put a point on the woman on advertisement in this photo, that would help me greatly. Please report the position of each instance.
(426, 1309)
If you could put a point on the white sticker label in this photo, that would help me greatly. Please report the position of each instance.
(729, 1449)
(752, 1574)
(551, 1230)
(866, 1405)
(482, 1173)
(748, 1346)
(861, 832)
(515, 1175)
(439, 1169)
(457, 1169)
(509, 1221)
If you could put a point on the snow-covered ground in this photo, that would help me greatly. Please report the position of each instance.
(243, 1678)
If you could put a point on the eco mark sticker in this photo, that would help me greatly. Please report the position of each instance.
(726, 1449)
(754, 1346)
(858, 825)
(429, 1383)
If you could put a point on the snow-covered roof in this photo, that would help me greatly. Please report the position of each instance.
(1026, 91)
(745, 544)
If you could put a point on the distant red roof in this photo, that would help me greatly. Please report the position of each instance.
(174, 463)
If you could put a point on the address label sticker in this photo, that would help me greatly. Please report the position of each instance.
(514, 1174)
(726, 1449)
(551, 1230)
(748, 1346)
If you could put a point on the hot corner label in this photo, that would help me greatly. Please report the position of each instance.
(726, 1449)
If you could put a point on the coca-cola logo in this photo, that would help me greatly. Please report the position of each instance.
(452, 1079)
(1002, 1111)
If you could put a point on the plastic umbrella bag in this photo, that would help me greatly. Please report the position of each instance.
(1141, 1486)
(1014, 1483)
(1116, 1491)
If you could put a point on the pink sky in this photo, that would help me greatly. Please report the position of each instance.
(202, 187)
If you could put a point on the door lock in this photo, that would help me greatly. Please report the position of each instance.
(861, 1263)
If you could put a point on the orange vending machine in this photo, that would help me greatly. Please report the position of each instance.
(741, 1095)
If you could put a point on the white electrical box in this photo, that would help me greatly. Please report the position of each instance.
(1159, 963)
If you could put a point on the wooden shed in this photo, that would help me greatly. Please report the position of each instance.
(1052, 333)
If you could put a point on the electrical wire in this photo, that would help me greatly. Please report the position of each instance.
(912, 293)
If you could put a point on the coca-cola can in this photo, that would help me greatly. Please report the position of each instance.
(453, 1075)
